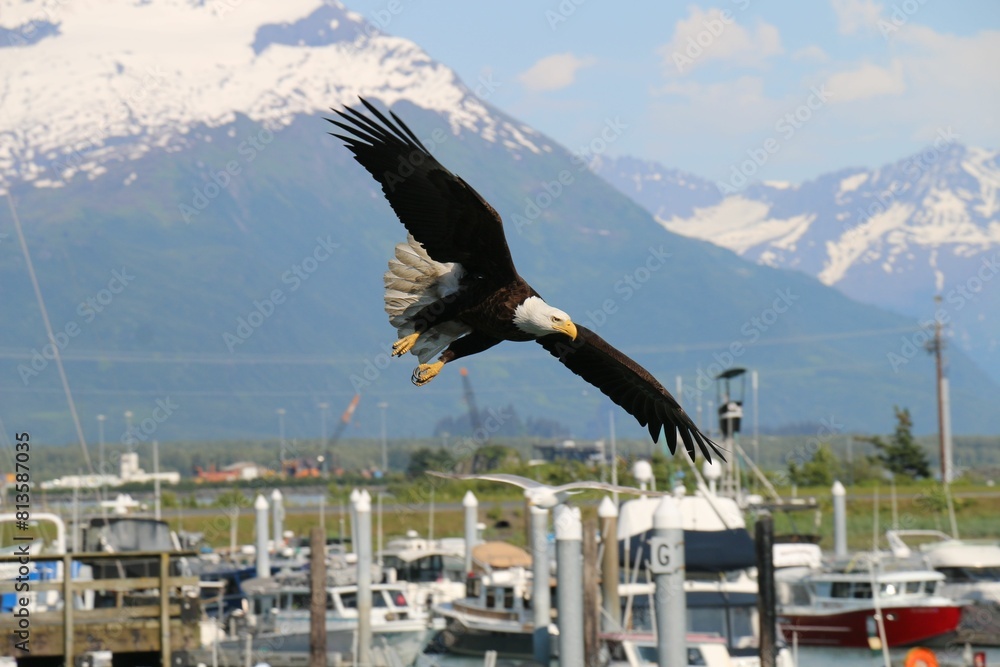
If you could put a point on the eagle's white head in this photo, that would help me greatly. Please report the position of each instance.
(537, 318)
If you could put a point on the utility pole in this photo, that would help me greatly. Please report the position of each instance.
(385, 449)
(936, 347)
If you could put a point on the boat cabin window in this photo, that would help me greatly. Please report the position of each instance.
(299, 601)
(887, 590)
(508, 598)
(472, 587)
(349, 600)
(851, 589)
(491, 597)
(914, 587)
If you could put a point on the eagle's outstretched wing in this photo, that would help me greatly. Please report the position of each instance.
(631, 386)
(440, 210)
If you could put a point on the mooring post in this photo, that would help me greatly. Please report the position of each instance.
(363, 512)
(278, 515)
(164, 609)
(352, 504)
(541, 603)
(471, 506)
(608, 513)
(317, 601)
(67, 563)
(667, 565)
(764, 534)
(839, 520)
(591, 616)
(263, 558)
(569, 584)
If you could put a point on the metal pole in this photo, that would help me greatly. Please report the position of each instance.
(234, 524)
(385, 448)
(541, 595)
(378, 554)
(839, 520)
(766, 609)
(317, 601)
(614, 454)
(353, 500)
(569, 586)
(471, 506)
(363, 510)
(281, 438)
(278, 517)
(156, 480)
(667, 564)
(608, 514)
(260, 506)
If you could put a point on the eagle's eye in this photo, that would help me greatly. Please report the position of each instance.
(556, 319)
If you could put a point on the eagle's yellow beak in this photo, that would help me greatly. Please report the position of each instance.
(567, 328)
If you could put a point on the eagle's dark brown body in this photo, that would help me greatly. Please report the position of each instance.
(457, 288)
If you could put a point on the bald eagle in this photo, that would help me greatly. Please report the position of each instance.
(452, 290)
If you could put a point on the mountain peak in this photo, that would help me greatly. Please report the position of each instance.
(266, 61)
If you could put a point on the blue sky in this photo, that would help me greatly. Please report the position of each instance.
(702, 86)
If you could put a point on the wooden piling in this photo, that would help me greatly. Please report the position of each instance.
(164, 610)
(591, 620)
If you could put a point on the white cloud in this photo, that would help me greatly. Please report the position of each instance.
(714, 34)
(856, 15)
(866, 81)
(811, 53)
(554, 72)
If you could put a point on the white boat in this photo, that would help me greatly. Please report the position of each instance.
(277, 623)
(433, 571)
(971, 569)
(865, 605)
(495, 614)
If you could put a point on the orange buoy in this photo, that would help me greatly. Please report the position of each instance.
(920, 657)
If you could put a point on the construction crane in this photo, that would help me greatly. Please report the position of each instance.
(475, 423)
(345, 419)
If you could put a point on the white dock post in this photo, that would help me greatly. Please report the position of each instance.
(363, 512)
(839, 520)
(471, 506)
(260, 506)
(278, 517)
(569, 584)
(607, 511)
(667, 564)
(541, 602)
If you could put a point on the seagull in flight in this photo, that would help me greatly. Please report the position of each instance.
(543, 495)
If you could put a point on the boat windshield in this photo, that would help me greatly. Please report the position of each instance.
(963, 575)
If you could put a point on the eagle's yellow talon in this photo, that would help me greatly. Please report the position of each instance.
(404, 345)
(424, 373)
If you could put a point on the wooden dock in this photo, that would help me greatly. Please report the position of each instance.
(144, 616)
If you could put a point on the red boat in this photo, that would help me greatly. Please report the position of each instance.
(864, 609)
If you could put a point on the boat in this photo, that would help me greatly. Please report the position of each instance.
(495, 614)
(275, 626)
(432, 570)
(640, 650)
(865, 605)
(971, 569)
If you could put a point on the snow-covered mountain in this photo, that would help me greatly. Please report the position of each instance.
(89, 81)
(896, 236)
